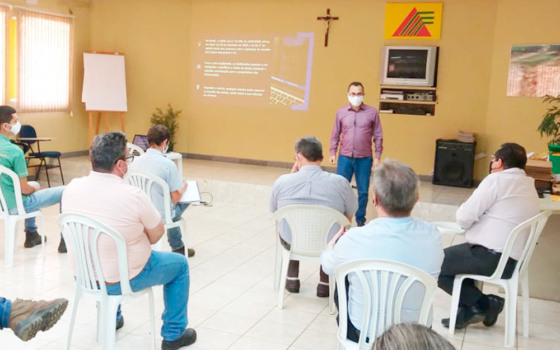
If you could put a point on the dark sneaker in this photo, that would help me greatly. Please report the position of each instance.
(62, 245)
(465, 317)
(188, 338)
(360, 224)
(292, 286)
(323, 290)
(28, 317)
(120, 323)
(191, 252)
(32, 238)
(495, 306)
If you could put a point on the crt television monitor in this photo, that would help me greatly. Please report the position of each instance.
(409, 65)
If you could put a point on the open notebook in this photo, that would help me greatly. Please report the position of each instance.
(192, 194)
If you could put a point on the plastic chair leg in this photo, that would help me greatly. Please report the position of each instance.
(278, 267)
(511, 311)
(10, 228)
(525, 303)
(152, 318)
(332, 284)
(109, 322)
(457, 284)
(73, 320)
(283, 276)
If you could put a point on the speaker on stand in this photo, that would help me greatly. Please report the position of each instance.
(454, 163)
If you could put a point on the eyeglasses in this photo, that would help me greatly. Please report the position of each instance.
(355, 94)
(127, 159)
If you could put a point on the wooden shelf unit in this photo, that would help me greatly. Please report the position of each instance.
(406, 100)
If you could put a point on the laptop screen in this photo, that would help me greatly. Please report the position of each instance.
(141, 141)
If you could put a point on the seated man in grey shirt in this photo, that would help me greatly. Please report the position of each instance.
(155, 162)
(309, 184)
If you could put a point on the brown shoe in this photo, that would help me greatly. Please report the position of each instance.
(181, 250)
(28, 317)
(292, 286)
(323, 290)
(32, 238)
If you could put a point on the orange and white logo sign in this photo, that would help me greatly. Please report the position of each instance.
(416, 20)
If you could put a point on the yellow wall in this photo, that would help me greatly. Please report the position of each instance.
(474, 57)
(70, 132)
(519, 22)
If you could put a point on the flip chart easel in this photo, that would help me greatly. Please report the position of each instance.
(104, 90)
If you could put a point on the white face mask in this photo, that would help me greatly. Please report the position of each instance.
(15, 128)
(355, 101)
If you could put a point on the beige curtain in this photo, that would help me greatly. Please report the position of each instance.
(45, 62)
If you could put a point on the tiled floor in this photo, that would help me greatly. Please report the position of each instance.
(232, 303)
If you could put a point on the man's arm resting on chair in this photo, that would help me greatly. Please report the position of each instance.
(154, 234)
(26, 188)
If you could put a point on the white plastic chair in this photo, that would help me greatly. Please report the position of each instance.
(11, 220)
(81, 234)
(310, 226)
(535, 226)
(147, 182)
(134, 150)
(384, 285)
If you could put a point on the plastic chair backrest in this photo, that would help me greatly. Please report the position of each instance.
(27, 131)
(310, 225)
(17, 192)
(385, 284)
(535, 226)
(147, 182)
(83, 233)
(134, 150)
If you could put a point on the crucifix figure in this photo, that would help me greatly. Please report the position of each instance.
(328, 18)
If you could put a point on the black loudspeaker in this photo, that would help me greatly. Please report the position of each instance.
(454, 164)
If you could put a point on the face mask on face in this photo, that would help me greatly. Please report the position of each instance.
(15, 128)
(355, 101)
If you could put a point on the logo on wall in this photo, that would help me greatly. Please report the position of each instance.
(413, 20)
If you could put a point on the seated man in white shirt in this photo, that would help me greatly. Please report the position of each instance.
(393, 235)
(503, 200)
(155, 162)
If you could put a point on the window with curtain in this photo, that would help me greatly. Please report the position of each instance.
(3, 18)
(44, 62)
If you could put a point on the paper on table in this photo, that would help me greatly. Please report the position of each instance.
(192, 194)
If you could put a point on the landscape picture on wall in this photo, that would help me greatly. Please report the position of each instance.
(534, 71)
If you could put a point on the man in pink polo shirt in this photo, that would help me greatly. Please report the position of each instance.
(356, 126)
(104, 196)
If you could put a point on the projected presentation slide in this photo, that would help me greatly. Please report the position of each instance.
(250, 71)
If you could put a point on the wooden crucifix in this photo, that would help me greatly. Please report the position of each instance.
(328, 18)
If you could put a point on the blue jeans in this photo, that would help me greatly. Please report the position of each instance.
(362, 168)
(37, 200)
(5, 311)
(171, 270)
(174, 234)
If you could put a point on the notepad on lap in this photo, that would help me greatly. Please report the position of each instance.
(192, 194)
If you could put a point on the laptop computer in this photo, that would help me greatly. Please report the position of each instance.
(141, 141)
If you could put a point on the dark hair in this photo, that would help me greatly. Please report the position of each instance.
(355, 83)
(512, 155)
(310, 148)
(6, 114)
(157, 134)
(106, 150)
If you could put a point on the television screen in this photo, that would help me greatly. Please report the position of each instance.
(408, 64)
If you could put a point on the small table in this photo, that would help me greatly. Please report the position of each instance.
(547, 204)
(178, 159)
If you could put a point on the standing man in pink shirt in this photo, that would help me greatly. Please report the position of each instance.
(355, 128)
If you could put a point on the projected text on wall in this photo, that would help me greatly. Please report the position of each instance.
(264, 71)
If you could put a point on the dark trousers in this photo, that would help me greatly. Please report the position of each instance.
(352, 333)
(470, 259)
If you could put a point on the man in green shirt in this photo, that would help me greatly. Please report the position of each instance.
(11, 156)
